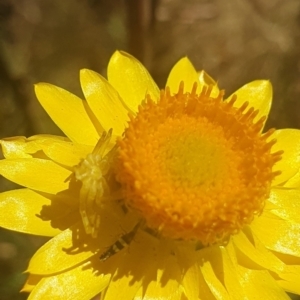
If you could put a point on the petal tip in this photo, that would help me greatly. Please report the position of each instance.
(40, 86)
(86, 72)
(119, 53)
(266, 85)
(83, 71)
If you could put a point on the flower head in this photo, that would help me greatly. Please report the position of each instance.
(178, 194)
(186, 161)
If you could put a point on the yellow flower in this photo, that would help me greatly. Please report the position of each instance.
(175, 194)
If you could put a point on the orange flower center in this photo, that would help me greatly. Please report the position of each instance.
(196, 167)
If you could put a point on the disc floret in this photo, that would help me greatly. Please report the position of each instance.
(194, 166)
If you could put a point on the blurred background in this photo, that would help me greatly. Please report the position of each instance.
(235, 41)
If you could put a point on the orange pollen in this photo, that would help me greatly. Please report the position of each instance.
(196, 167)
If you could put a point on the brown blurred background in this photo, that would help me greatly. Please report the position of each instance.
(235, 41)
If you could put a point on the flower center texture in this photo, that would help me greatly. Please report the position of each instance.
(196, 167)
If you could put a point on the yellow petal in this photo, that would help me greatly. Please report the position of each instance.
(17, 147)
(104, 101)
(205, 292)
(288, 202)
(72, 246)
(57, 148)
(290, 276)
(80, 283)
(131, 79)
(38, 174)
(44, 138)
(124, 283)
(293, 182)
(161, 279)
(277, 234)
(193, 282)
(188, 261)
(139, 258)
(167, 284)
(184, 71)
(259, 95)
(31, 282)
(66, 153)
(19, 209)
(68, 112)
(216, 287)
(230, 276)
(291, 287)
(257, 254)
(206, 80)
(21, 147)
(246, 275)
(259, 284)
(223, 268)
(54, 256)
(288, 140)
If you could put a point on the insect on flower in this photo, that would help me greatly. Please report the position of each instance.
(93, 172)
(120, 244)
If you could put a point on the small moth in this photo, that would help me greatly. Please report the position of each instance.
(120, 244)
